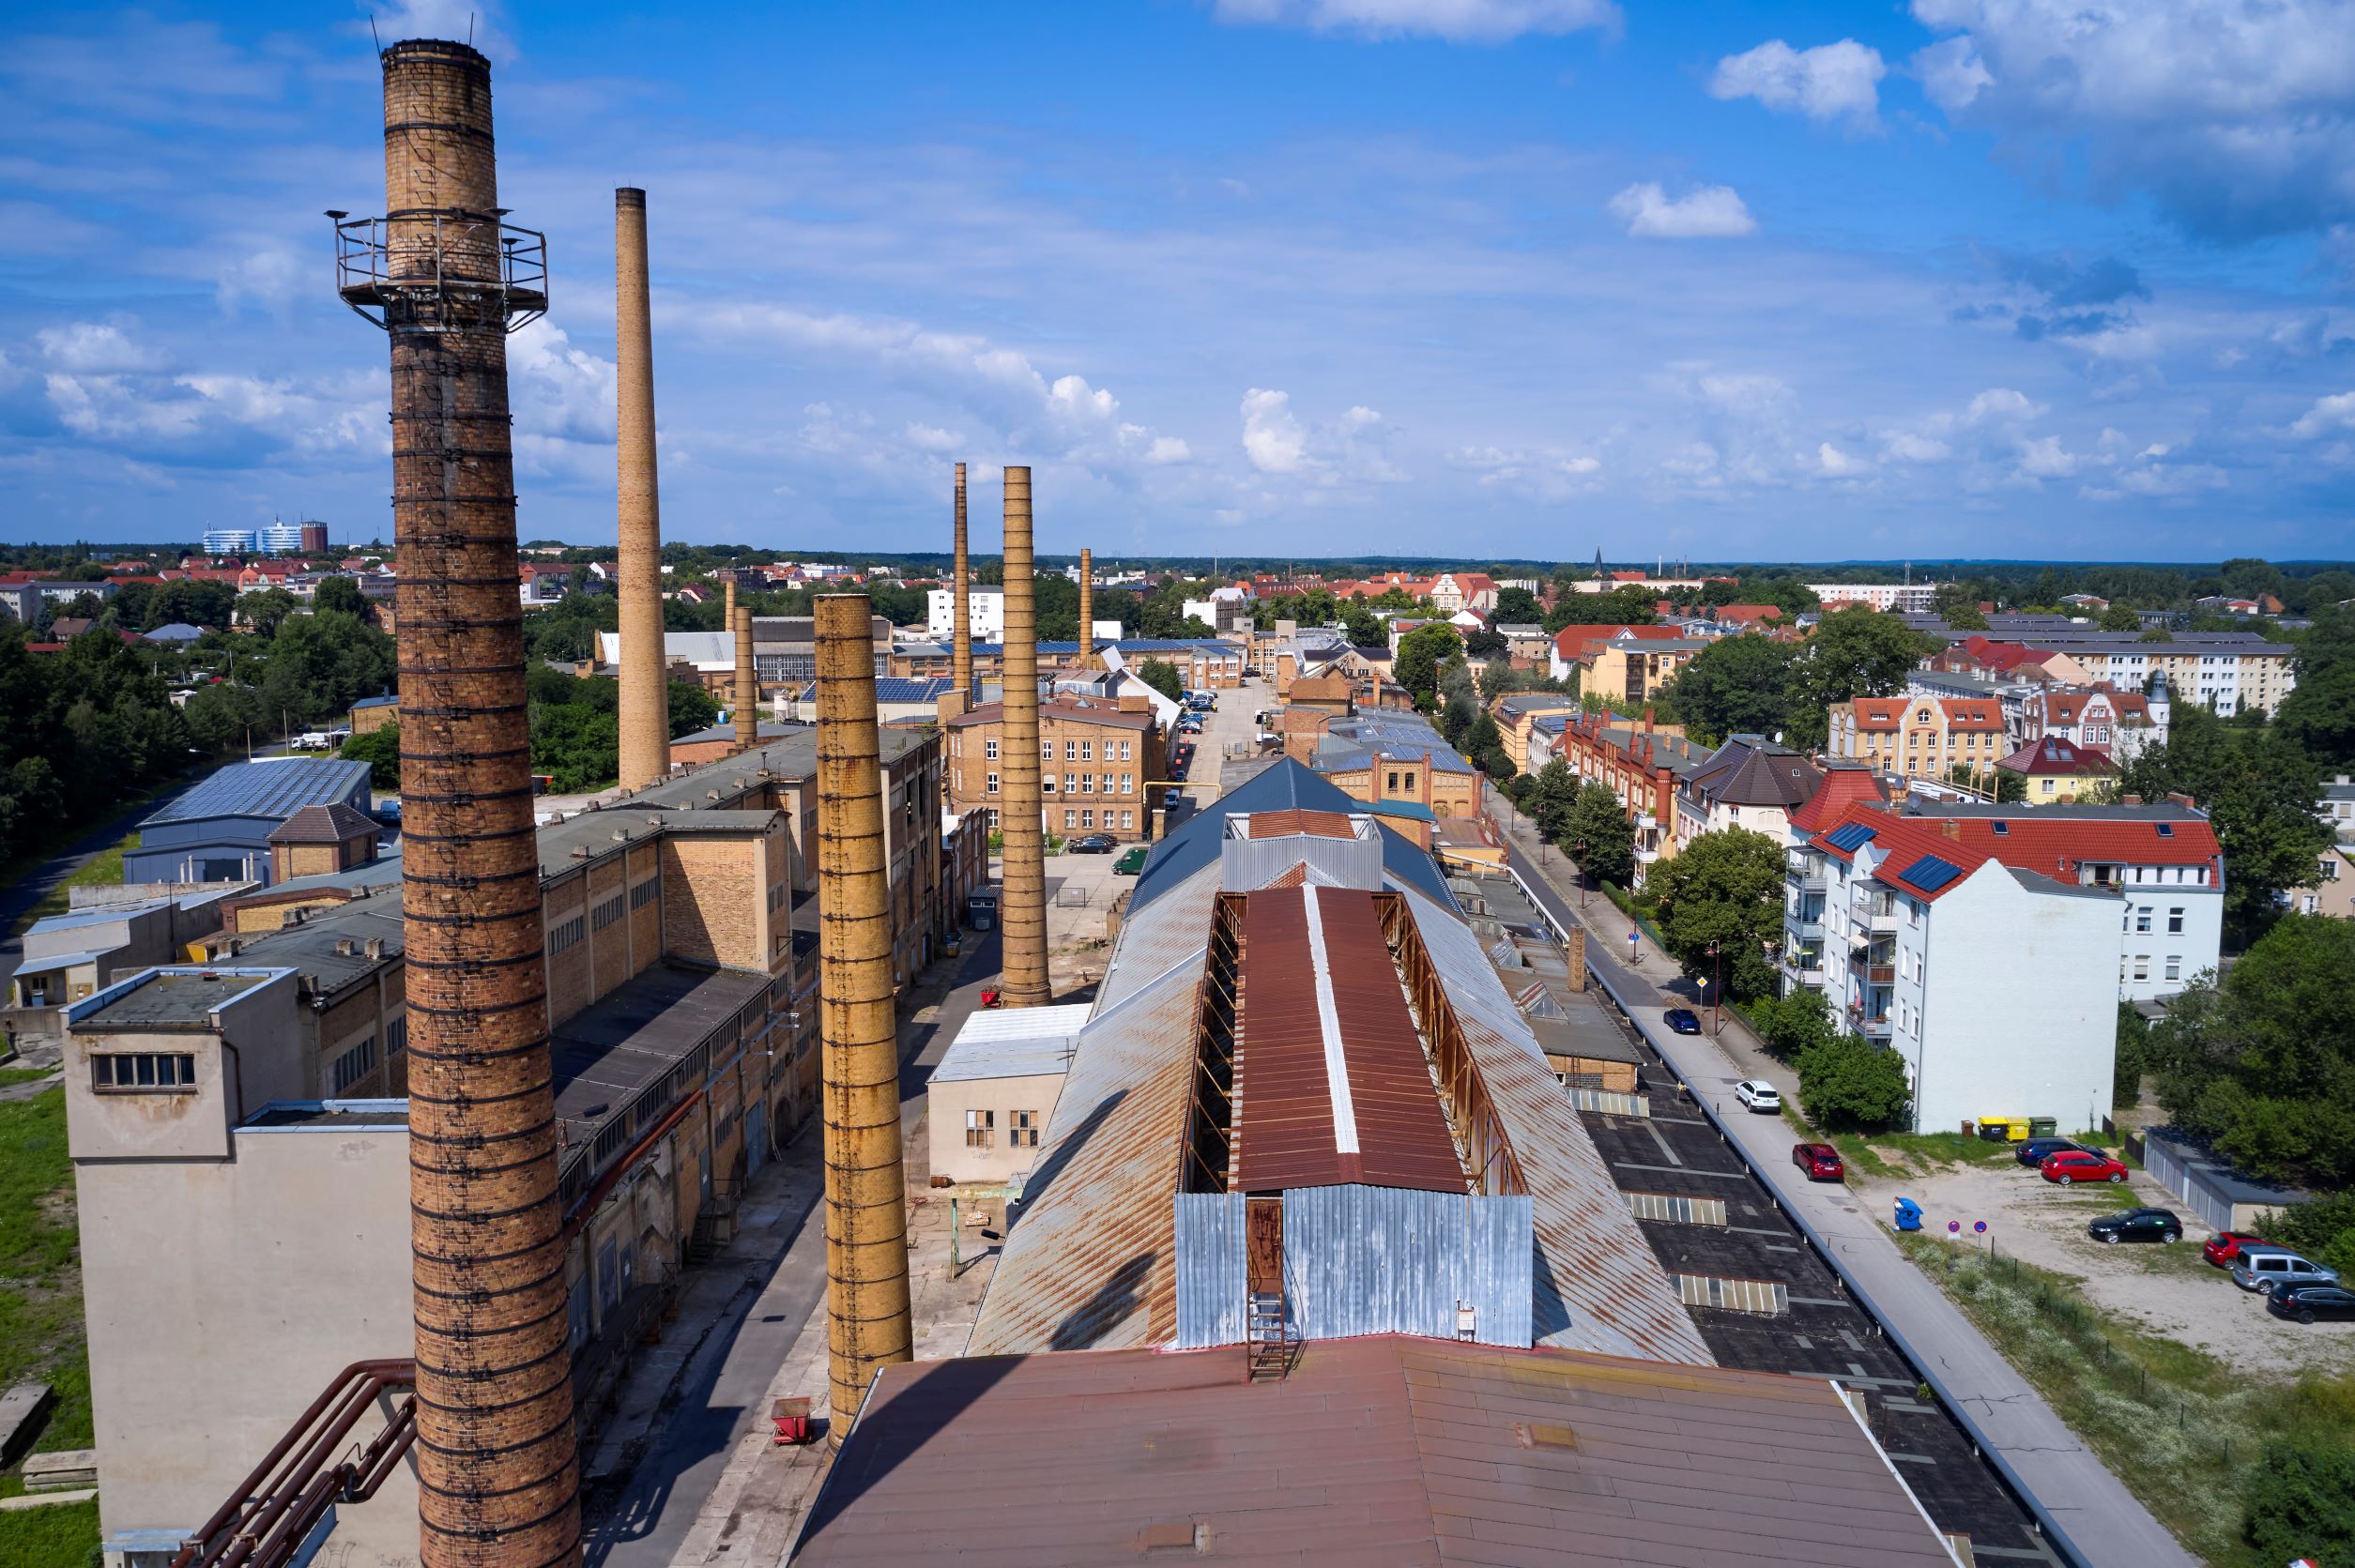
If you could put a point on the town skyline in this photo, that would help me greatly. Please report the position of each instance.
(1499, 280)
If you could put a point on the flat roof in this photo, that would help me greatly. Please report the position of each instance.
(1017, 1042)
(1387, 1449)
(167, 999)
(278, 787)
(327, 1116)
(609, 1052)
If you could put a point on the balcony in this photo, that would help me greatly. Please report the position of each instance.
(1873, 911)
(1802, 963)
(1647, 819)
(1872, 1025)
(1804, 872)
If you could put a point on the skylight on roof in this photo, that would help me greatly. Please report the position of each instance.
(2166, 830)
(1929, 873)
(2001, 827)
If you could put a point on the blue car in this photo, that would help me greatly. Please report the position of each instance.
(1682, 1020)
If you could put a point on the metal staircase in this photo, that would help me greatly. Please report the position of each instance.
(1265, 1344)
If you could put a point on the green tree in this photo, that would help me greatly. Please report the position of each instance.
(1419, 654)
(1723, 887)
(577, 745)
(2131, 1058)
(1855, 653)
(1849, 1082)
(2300, 1502)
(1363, 627)
(1485, 746)
(2117, 618)
(1792, 1026)
(2010, 788)
(1517, 607)
(2319, 712)
(1552, 792)
(1966, 617)
(195, 603)
(225, 716)
(380, 748)
(1599, 836)
(1162, 677)
(2259, 790)
(2321, 1228)
(692, 708)
(265, 609)
(2156, 634)
(1485, 644)
(1735, 686)
(319, 662)
(341, 593)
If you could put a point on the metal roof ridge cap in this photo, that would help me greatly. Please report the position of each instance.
(1193, 955)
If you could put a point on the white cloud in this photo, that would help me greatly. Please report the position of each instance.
(932, 438)
(1455, 21)
(2043, 458)
(1834, 464)
(1272, 438)
(569, 394)
(1830, 81)
(92, 348)
(2001, 403)
(1712, 212)
(2329, 416)
(1900, 445)
(1168, 449)
(2237, 115)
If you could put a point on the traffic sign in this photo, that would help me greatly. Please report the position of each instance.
(1953, 1227)
(1979, 1226)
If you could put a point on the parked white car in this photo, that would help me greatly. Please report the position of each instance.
(1759, 1095)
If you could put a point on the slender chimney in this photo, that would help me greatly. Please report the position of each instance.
(645, 679)
(748, 704)
(498, 1478)
(728, 600)
(1087, 612)
(962, 641)
(1022, 912)
(866, 1199)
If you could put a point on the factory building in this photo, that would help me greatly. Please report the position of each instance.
(220, 831)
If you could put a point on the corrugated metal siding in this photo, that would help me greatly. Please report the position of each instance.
(2179, 1178)
(1599, 1286)
(1370, 1260)
(1683, 1211)
(1766, 1298)
(1610, 1103)
(1210, 1274)
(1246, 863)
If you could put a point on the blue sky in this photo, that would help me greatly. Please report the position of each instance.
(2070, 278)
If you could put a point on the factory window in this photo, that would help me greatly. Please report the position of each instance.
(2174, 922)
(1070, 818)
(144, 1070)
(1021, 1128)
(1124, 745)
(354, 1065)
(1071, 751)
(989, 749)
(1087, 819)
(1047, 783)
(1087, 784)
(566, 934)
(1071, 784)
(1128, 819)
(1047, 751)
(991, 787)
(646, 892)
(396, 1037)
(1087, 750)
(981, 1129)
(606, 913)
(1129, 784)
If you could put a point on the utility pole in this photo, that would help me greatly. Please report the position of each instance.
(1717, 992)
(1580, 850)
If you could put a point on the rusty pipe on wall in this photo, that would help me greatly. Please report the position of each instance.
(1087, 612)
(497, 1475)
(747, 702)
(1021, 816)
(867, 1322)
(645, 679)
(961, 642)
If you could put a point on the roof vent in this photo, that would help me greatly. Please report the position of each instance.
(621, 835)
(343, 947)
(376, 946)
(580, 852)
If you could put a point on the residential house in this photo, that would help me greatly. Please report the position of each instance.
(2333, 890)
(1925, 738)
(2052, 768)
(1641, 762)
(1620, 663)
(1475, 592)
(1527, 645)
(1749, 782)
(1099, 762)
(2123, 723)
(1514, 712)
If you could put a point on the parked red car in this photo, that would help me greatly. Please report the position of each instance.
(2225, 1245)
(1820, 1161)
(2078, 1164)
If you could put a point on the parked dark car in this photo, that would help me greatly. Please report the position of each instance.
(1130, 863)
(2307, 1303)
(2136, 1224)
(1682, 1020)
(2225, 1246)
(1820, 1161)
(2033, 1152)
(1092, 843)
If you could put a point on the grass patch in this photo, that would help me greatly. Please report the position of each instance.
(24, 1075)
(61, 1537)
(2181, 1430)
(104, 867)
(42, 1336)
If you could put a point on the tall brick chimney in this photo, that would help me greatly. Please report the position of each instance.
(748, 704)
(961, 666)
(867, 1202)
(1022, 911)
(497, 1482)
(644, 716)
(1087, 612)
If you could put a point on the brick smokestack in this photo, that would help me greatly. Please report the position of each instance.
(748, 704)
(866, 1200)
(497, 1482)
(1087, 612)
(645, 680)
(1022, 912)
(962, 639)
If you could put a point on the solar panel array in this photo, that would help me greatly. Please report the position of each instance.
(1929, 873)
(1845, 837)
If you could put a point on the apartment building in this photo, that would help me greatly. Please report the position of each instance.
(985, 613)
(1387, 758)
(2224, 671)
(1621, 664)
(1919, 737)
(1902, 596)
(1749, 782)
(1642, 763)
(1099, 762)
(1513, 714)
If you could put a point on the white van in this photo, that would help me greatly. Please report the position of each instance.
(2267, 1269)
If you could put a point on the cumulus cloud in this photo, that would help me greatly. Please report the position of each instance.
(1455, 21)
(1546, 473)
(1712, 212)
(2236, 115)
(1353, 447)
(1272, 438)
(1834, 464)
(1904, 446)
(2330, 416)
(2001, 404)
(94, 348)
(1829, 81)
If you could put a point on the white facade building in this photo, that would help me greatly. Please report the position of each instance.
(1908, 598)
(233, 541)
(282, 538)
(985, 608)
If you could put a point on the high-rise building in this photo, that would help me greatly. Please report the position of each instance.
(230, 542)
(314, 539)
(282, 538)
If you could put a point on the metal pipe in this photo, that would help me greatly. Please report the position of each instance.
(961, 666)
(1087, 612)
(1021, 816)
(748, 704)
(496, 1474)
(867, 1322)
(645, 680)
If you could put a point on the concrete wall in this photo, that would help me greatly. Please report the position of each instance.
(1002, 1159)
(221, 1298)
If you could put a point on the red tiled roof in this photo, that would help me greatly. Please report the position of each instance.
(1967, 714)
(2048, 840)
(1841, 787)
(2051, 754)
(1744, 613)
(1572, 640)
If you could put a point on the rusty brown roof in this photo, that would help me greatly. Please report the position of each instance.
(1385, 1450)
(1293, 822)
(333, 823)
(1318, 992)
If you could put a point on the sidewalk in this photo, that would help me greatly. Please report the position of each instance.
(2087, 1512)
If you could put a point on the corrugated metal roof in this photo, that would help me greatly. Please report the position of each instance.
(1600, 1287)
(276, 789)
(1293, 822)
(104, 915)
(1284, 785)
(1013, 1043)
(1388, 1450)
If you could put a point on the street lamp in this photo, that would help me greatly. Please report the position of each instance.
(1580, 849)
(1717, 992)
